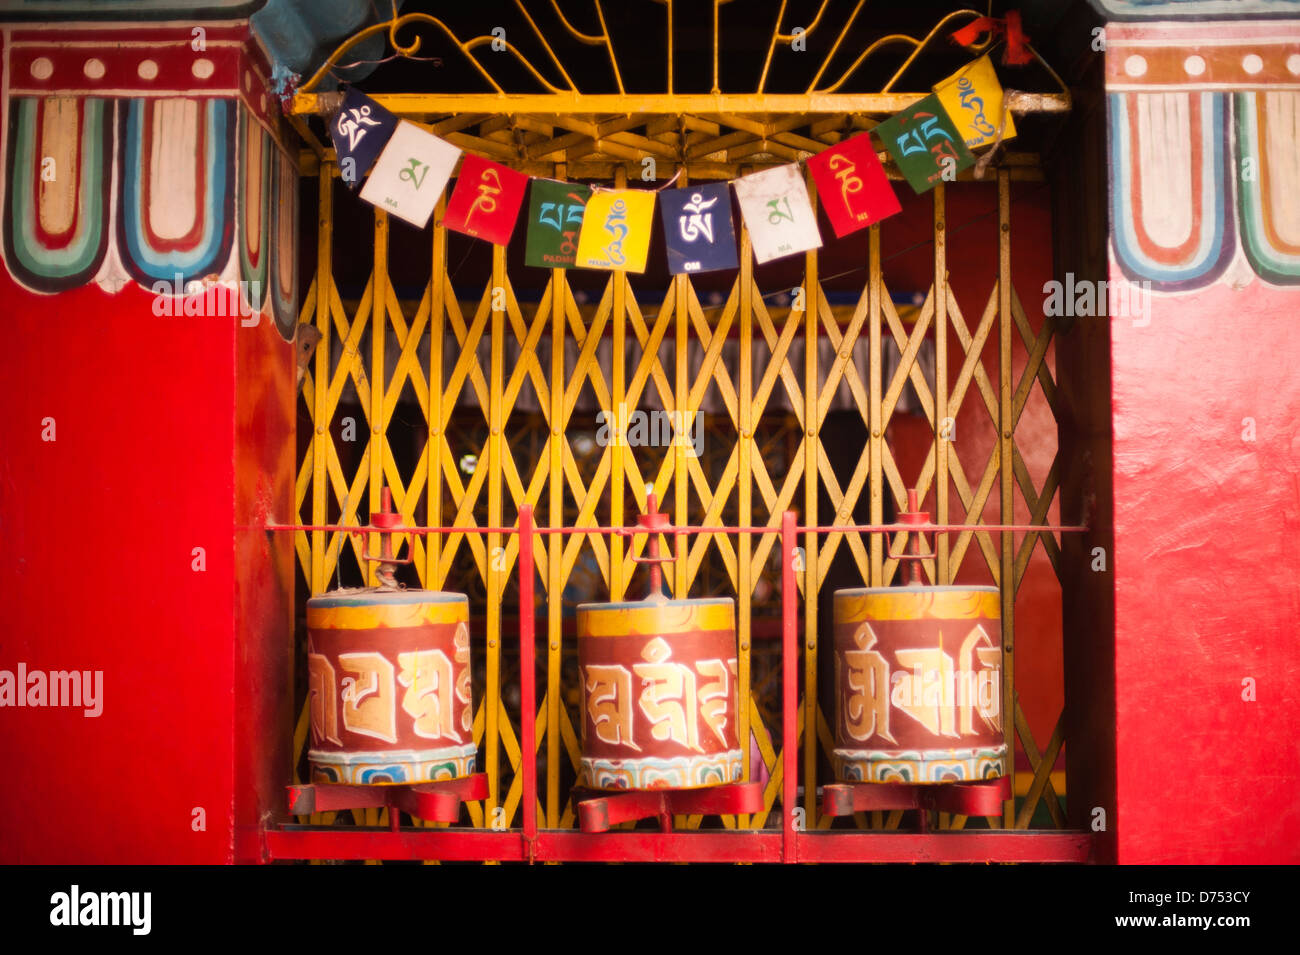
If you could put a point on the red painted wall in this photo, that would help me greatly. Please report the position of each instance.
(1206, 570)
(265, 467)
(160, 425)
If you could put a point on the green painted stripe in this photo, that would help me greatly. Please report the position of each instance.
(1269, 263)
(80, 254)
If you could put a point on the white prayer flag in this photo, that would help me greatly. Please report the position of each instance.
(777, 212)
(411, 174)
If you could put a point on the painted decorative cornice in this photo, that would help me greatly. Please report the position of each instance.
(149, 153)
(1194, 9)
(1204, 128)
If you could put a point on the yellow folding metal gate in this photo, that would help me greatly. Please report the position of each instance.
(751, 480)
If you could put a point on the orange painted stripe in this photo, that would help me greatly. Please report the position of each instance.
(386, 615)
(917, 605)
(650, 620)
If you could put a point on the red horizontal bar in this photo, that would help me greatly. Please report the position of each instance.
(346, 842)
(982, 847)
(306, 842)
(647, 846)
(675, 531)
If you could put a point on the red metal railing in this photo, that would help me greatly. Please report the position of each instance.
(791, 844)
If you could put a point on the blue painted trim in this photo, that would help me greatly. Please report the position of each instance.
(1195, 9)
(145, 265)
(1215, 188)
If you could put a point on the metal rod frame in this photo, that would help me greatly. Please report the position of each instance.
(791, 844)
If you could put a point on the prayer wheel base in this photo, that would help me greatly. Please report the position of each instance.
(389, 767)
(433, 802)
(914, 766)
(681, 772)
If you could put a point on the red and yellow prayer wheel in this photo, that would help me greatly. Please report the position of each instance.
(389, 686)
(918, 684)
(658, 694)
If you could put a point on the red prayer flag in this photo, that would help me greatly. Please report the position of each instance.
(486, 200)
(852, 185)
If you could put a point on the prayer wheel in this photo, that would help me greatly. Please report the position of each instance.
(389, 680)
(658, 688)
(658, 694)
(918, 678)
(918, 683)
(389, 686)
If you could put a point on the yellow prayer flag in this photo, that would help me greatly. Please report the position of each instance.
(972, 98)
(616, 230)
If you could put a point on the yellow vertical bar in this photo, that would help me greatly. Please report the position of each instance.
(811, 581)
(943, 429)
(1006, 427)
(716, 43)
(681, 304)
(378, 333)
(496, 576)
(437, 316)
(681, 384)
(745, 492)
(321, 376)
(876, 439)
(669, 4)
(555, 545)
(618, 397)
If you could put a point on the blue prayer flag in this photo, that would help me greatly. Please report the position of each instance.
(360, 131)
(698, 229)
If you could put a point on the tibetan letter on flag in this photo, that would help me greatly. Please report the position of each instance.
(616, 230)
(554, 221)
(852, 185)
(925, 144)
(486, 200)
(780, 218)
(360, 131)
(972, 98)
(698, 229)
(411, 173)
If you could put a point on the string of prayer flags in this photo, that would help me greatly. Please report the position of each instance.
(925, 144)
(616, 230)
(972, 98)
(360, 131)
(778, 213)
(554, 220)
(411, 174)
(574, 225)
(486, 200)
(852, 185)
(698, 230)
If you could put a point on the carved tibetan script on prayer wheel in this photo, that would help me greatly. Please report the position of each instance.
(918, 684)
(658, 694)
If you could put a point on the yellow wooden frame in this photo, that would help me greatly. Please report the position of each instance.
(565, 133)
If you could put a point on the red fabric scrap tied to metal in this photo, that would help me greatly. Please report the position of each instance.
(1017, 50)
